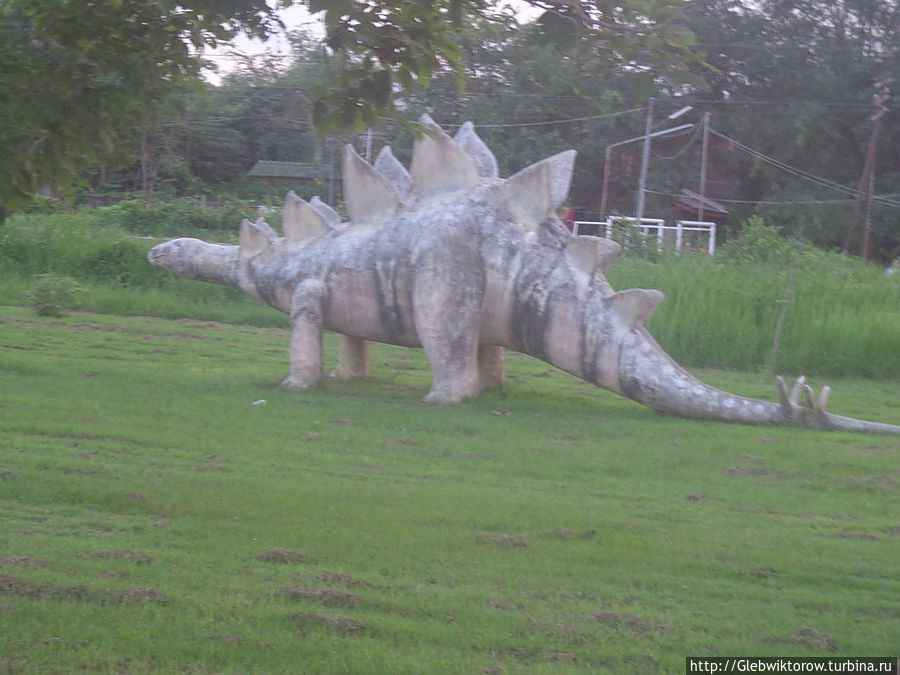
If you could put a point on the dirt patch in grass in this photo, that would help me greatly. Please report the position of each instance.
(281, 556)
(132, 596)
(23, 561)
(102, 596)
(848, 533)
(758, 472)
(633, 622)
(12, 585)
(501, 540)
(563, 533)
(130, 556)
(341, 579)
(809, 637)
(344, 625)
(764, 572)
(330, 597)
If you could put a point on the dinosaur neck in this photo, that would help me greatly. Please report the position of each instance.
(218, 264)
(199, 260)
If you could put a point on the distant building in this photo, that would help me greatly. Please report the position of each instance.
(291, 173)
(689, 201)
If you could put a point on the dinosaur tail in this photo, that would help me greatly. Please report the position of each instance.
(650, 377)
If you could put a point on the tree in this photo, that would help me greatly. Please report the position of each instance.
(77, 79)
(81, 79)
(391, 45)
(807, 71)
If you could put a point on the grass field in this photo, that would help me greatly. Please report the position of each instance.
(154, 520)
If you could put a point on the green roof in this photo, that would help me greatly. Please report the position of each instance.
(294, 170)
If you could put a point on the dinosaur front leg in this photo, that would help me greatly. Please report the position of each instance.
(306, 335)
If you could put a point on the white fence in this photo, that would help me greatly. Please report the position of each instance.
(690, 234)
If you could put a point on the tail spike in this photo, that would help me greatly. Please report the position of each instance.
(813, 412)
(823, 399)
(810, 397)
(795, 392)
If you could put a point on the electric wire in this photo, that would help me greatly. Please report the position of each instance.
(800, 173)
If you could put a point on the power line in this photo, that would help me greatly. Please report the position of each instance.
(695, 134)
(800, 173)
(807, 202)
(750, 103)
(570, 120)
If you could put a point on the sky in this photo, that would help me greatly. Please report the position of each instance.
(229, 58)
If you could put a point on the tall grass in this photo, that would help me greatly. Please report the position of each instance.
(842, 317)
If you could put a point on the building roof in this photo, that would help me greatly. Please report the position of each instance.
(288, 170)
(690, 200)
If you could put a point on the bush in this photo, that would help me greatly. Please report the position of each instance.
(180, 218)
(41, 204)
(759, 243)
(73, 244)
(53, 295)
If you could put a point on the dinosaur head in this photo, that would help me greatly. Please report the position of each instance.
(196, 259)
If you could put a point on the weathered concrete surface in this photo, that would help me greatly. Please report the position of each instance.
(453, 259)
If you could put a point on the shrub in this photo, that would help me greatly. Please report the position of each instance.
(52, 295)
(41, 204)
(759, 243)
(180, 218)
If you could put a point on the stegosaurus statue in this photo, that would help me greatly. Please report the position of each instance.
(451, 258)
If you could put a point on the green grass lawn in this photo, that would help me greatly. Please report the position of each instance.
(154, 520)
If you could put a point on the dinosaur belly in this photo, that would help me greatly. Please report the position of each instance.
(372, 306)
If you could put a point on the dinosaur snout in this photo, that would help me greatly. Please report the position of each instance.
(156, 254)
(166, 254)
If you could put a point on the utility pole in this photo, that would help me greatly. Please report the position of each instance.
(645, 159)
(369, 145)
(662, 132)
(604, 193)
(866, 191)
(645, 156)
(146, 178)
(703, 162)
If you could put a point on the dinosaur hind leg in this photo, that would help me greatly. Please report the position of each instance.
(449, 338)
(491, 366)
(353, 359)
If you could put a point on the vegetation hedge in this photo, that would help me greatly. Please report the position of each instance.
(838, 316)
